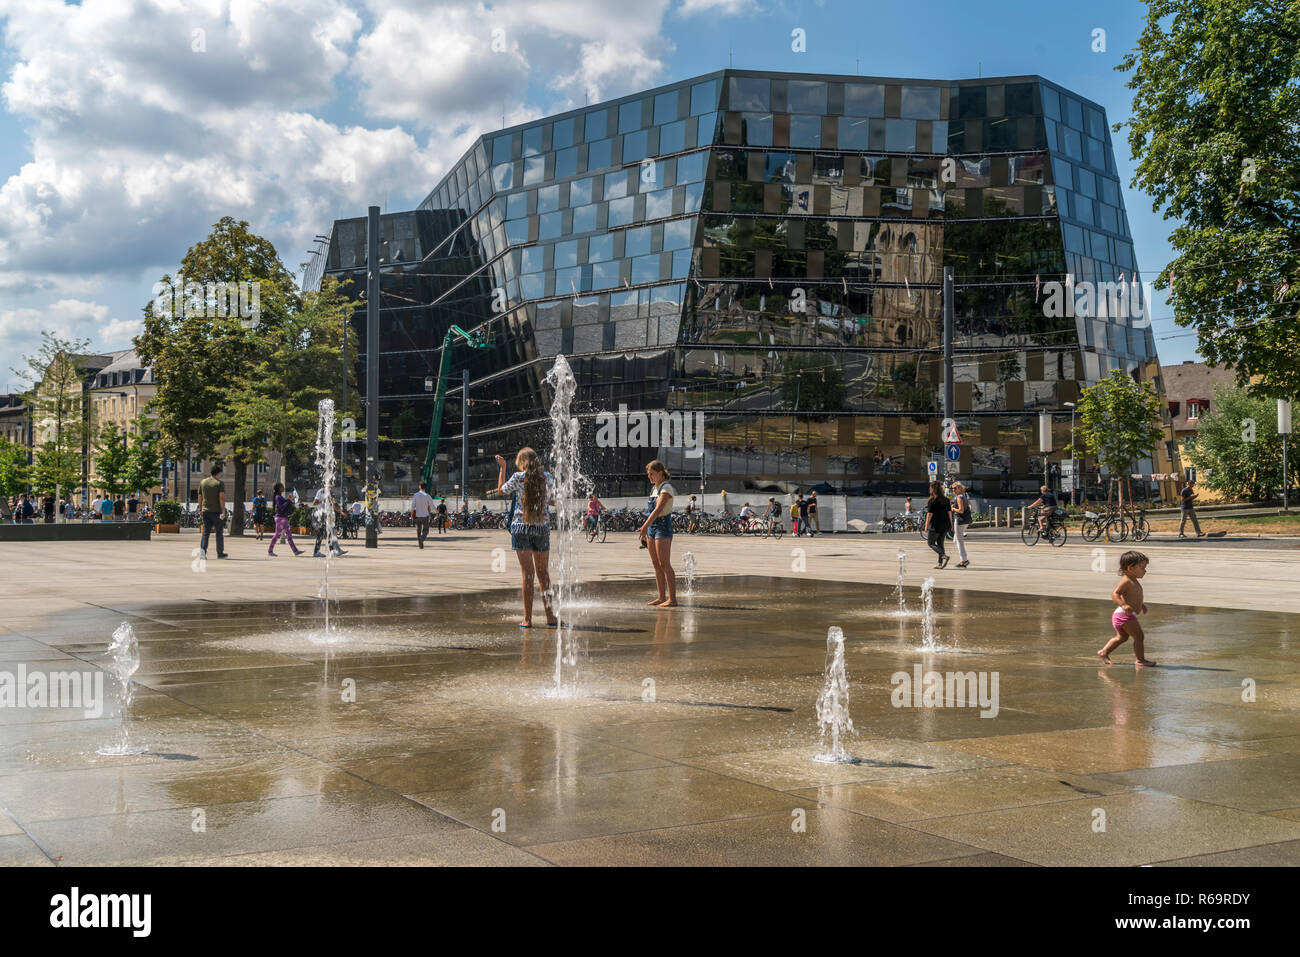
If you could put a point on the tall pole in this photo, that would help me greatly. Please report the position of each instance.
(947, 342)
(372, 362)
(464, 435)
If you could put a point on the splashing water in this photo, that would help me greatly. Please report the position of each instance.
(688, 572)
(898, 589)
(833, 703)
(325, 512)
(125, 652)
(927, 615)
(570, 485)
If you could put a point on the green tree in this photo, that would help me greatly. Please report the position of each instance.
(1119, 423)
(1237, 446)
(1216, 110)
(56, 468)
(144, 463)
(113, 461)
(13, 468)
(812, 383)
(273, 403)
(196, 352)
(52, 380)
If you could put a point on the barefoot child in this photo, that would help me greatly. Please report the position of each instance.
(1128, 595)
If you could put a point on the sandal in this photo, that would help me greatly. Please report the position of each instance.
(963, 564)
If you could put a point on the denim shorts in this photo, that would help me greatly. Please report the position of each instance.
(535, 538)
(661, 527)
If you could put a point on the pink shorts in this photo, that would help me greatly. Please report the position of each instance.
(1121, 618)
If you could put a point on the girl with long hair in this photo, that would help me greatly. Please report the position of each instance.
(530, 528)
(657, 533)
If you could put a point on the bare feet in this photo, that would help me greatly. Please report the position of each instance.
(1144, 663)
(552, 623)
(668, 604)
(656, 601)
(1104, 657)
(525, 624)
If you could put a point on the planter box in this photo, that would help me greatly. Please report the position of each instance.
(173, 529)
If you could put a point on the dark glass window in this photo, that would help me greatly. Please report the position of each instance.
(548, 199)
(503, 176)
(805, 96)
(615, 184)
(707, 129)
(920, 103)
(599, 155)
(1086, 183)
(672, 137)
(972, 102)
(1071, 143)
(580, 192)
(1074, 113)
(678, 233)
(645, 269)
(659, 204)
(584, 218)
(550, 226)
(634, 146)
(749, 93)
(517, 231)
(900, 136)
(501, 149)
(604, 275)
(629, 116)
(1020, 99)
(562, 134)
(517, 205)
(637, 241)
(806, 132)
(534, 170)
(566, 162)
(691, 167)
(779, 167)
(532, 259)
(566, 254)
(756, 129)
(600, 248)
(596, 123)
(853, 133)
(621, 211)
(532, 141)
(704, 98)
(1051, 103)
(864, 99)
(665, 107)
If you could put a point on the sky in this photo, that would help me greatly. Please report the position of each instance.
(129, 127)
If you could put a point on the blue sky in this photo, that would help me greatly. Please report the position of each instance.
(124, 134)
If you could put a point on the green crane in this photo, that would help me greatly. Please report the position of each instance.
(475, 341)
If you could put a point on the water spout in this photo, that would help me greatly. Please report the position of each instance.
(688, 573)
(833, 704)
(927, 615)
(125, 653)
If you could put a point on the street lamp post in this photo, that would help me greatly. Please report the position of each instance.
(1074, 478)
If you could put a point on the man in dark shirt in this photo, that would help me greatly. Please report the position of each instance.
(212, 500)
(132, 508)
(47, 507)
(803, 517)
(1046, 503)
(1188, 495)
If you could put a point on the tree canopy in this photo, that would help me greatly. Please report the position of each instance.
(1214, 127)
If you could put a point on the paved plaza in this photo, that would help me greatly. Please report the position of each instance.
(424, 728)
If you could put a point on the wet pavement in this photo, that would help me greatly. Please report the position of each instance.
(426, 731)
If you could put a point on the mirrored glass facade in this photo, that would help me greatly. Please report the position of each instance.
(765, 249)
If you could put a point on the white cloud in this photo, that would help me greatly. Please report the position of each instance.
(690, 8)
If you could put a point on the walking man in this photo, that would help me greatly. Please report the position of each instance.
(421, 510)
(212, 499)
(1189, 511)
(323, 511)
(442, 516)
(812, 512)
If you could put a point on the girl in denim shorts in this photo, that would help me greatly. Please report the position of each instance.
(657, 532)
(530, 528)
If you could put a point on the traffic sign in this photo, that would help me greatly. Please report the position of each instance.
(952, 436)
(932, 467)
(953, 452)
(951, 467)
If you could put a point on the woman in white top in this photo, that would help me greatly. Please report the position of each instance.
(657, 532)
(960, 514)
(530, 531)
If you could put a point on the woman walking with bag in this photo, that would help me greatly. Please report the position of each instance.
(961, 515)
(938, 520)
(284, 507)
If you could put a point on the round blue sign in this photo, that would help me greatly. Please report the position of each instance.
(954, 453)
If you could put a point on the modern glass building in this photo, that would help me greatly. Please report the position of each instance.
(765, 249)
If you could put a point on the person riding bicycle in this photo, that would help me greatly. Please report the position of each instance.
(746, 514)
(594, 508)
(1046, 504)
